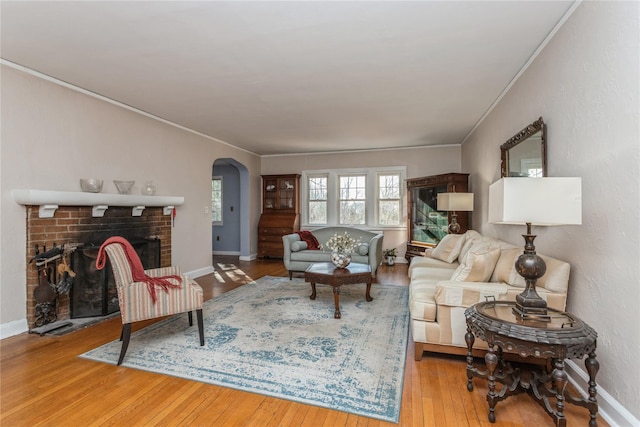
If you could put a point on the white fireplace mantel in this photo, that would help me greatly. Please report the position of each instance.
(50, 200)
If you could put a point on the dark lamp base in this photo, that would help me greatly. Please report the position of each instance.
(529, 305)
(531, 313)
(454, 227)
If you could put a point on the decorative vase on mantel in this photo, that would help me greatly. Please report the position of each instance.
(149, 189)
(340, 259)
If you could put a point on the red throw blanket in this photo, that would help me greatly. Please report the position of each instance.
(310, 239)
(137, 270)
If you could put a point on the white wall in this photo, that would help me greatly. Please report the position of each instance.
(419, 162)
(585, 85)
(52, 136)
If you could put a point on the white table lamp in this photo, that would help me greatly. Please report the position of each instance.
(452, 202)
(540, 202)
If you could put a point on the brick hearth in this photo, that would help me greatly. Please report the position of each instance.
(73, 224)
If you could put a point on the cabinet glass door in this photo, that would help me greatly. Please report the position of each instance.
(428, 225)
(287, 193)
(270, 193)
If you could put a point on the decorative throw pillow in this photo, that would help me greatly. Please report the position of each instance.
(449, 248)
(363, 249)
(298, 246)
(478, 263)
(310, 239)
(471, 237)
(505, 270)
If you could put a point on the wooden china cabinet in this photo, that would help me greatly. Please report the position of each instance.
(427, 226)
(280, 213)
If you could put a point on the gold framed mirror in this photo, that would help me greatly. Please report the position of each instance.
(525, 154)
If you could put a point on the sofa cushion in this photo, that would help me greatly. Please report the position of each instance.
(418, 262)
(478, 264)
(471, 237)
(556, 279)
(422, 304)
(449, 248)
(430, 273)
(311, 256)
(465, 294)
(363, 249)
(298, 246)
(505, 270)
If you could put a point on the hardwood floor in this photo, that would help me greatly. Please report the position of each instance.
(44, 383)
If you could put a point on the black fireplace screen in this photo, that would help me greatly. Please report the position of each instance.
(94, 291)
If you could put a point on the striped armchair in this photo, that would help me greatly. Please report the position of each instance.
(137, 302)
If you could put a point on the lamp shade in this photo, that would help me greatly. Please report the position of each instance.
(455, 201)
(539, 201)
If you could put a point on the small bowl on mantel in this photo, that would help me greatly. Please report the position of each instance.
(91, 185)
(124, 186)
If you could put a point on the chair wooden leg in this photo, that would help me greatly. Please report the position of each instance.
(190, 314)
(200, 326)
(290, 274)
(125, 335)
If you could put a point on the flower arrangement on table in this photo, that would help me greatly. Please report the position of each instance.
(342, 243)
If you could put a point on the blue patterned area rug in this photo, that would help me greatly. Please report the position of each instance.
(268, 337)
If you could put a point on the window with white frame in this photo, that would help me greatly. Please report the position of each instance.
(389, 199)
(317, 200)
(353, 199)
(216, 200)
(368, 197)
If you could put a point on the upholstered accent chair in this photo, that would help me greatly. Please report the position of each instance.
(136, 300)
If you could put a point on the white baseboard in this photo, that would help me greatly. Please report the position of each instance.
(249, 258)
(235, 253)
(200, 272)
(609, 408)
(12, 328)
(240, 257)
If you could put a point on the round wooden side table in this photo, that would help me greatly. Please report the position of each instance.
(560, 337)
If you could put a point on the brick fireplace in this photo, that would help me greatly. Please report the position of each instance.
(77, 225)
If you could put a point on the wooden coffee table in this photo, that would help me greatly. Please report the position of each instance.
(326, 273)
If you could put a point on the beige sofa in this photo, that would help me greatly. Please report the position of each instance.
(463, 270)
(297, 257)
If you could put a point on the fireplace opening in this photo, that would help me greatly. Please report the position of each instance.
(94, 291)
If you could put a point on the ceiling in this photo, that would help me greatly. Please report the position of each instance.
(289, 77)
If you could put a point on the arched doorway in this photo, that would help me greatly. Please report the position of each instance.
(232, 237)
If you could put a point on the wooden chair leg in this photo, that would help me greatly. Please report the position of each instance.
(200, 326)
(190, 314)
(125, 335)
(290, 274)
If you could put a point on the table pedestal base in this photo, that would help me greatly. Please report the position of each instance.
(545, 388)
(327, 274)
